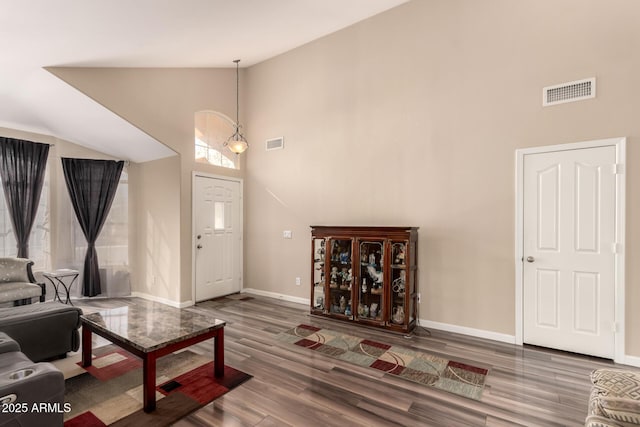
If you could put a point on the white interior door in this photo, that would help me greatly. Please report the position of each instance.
(218, 237)
(569, 253)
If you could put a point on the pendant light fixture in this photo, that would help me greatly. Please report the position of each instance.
(236, 142)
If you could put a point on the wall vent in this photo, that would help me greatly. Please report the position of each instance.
(274, 144)
(569, 92)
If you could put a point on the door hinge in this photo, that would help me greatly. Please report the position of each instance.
(617, 248)
(618, 168)
(614, 327)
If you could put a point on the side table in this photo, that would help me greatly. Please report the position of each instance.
(58, 277)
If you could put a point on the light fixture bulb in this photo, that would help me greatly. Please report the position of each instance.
(237, 146)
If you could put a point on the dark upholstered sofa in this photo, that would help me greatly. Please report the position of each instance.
(24, 384)
(44, 331)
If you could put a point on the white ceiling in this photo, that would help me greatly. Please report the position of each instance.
(141, 33)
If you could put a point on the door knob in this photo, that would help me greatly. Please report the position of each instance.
(530, 259)
(199, 246)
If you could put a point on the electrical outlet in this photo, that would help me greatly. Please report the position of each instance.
(298, 281)
(287, 234)
(418, 297)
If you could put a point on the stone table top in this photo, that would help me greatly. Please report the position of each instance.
(150, 325)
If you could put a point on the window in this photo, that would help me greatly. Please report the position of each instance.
(211, 131)
(219, 216)
(112, 244)
(39, 247)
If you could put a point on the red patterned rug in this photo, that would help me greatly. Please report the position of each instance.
(415, 365)
(110, 391)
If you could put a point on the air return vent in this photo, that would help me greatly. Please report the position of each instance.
(274, 144)
(569, 92)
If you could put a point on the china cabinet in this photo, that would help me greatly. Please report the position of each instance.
(366, 275)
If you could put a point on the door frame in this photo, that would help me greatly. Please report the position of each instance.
(620, 145)
(240, 181)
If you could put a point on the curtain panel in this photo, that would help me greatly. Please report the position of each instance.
(92, 185)
(22, 169)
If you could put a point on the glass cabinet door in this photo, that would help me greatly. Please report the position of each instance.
(318, 299)
(398, 283)
(371, 277)
(340, 277)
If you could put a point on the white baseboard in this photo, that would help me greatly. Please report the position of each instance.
(479, 333)
(276, 295)
(166, 301)
(632, 360)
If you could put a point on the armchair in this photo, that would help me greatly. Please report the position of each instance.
(615, 398)
(17, 283)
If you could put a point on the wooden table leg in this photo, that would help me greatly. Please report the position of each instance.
(86, 346)
(218, 352)
(149, 382)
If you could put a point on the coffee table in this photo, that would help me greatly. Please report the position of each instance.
(151, 330)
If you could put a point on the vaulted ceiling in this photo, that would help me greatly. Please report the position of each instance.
(36, 34)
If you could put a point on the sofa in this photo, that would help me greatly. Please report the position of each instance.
(31, 394)
(615, 398)
(44, 331)
(17, 283)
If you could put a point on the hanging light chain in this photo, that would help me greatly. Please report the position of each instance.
(237, 61)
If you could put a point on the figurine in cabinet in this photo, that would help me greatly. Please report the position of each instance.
(398, 254)
(398, 314)
(375, 275)
(344, 257)
(320, 252)
(372, 259)
(344, 278)
(320, 268)
(334, 276)
(373, 310)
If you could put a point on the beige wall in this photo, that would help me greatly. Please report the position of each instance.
(413, 118)
(155, 210)
(162, 103)
(409, 118)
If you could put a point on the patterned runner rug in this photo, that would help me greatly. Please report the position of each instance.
(427, 369)
(110, 391)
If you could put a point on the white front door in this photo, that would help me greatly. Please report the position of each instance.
(569, 253)
(218, 237)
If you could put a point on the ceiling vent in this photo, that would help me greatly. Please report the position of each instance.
(569, 92)
(274, 144)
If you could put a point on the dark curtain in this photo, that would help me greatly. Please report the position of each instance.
(92, 185)
(22, 167)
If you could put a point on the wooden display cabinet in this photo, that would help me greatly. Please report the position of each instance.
(366, 275)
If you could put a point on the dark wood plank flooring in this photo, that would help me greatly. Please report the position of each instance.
(292, 386)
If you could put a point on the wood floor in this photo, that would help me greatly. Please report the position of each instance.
(298, 387)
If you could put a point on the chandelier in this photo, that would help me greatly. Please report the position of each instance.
(237, 142)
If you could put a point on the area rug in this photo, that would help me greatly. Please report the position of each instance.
(423, 368)
(110, 391)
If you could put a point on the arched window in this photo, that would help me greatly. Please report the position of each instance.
(211, 131)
